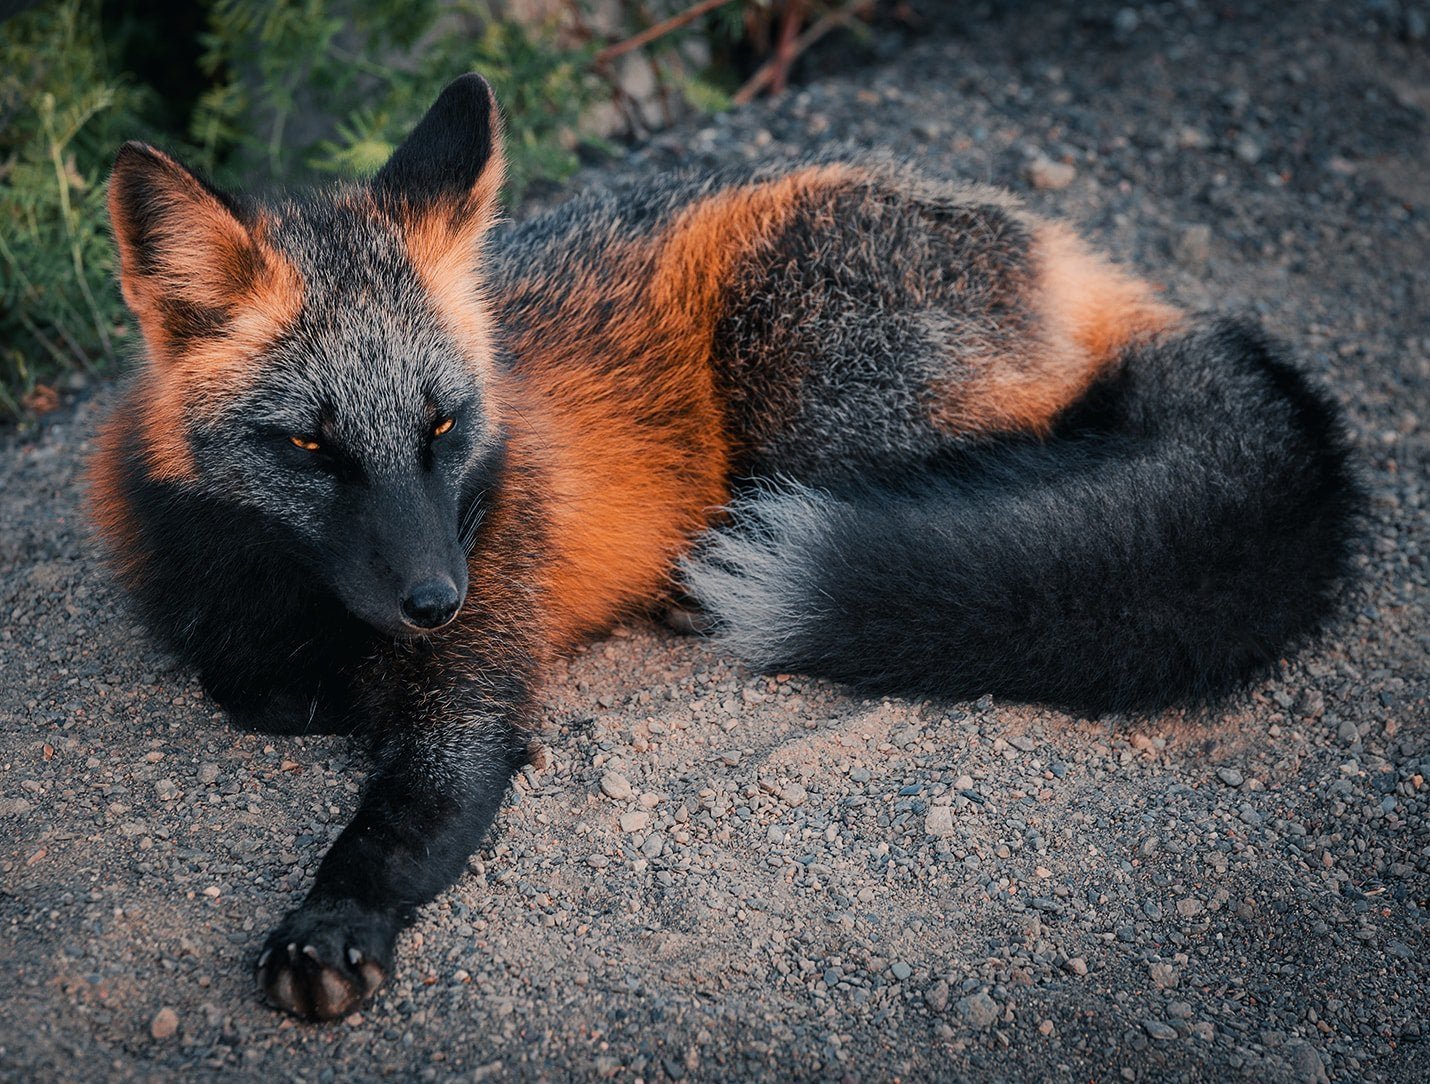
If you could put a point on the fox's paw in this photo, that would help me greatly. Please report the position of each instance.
(326, 959)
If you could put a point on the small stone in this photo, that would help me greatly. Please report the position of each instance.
(939, 822)
(635, 821)
(1045, 1028)
(1159, 1031)
(937, 996)
(792, 794)
(165, 1024)
(901, 970)
(208, 773)
(1190, 907)
(1306, 1064)
(1043, 173)
(978, 1009)
(1076, 966)
(1249, 816)
(1164, 976)
(1192, 139)
(616, 787)
(653, 846)
(1230, 776)
(1247, 149)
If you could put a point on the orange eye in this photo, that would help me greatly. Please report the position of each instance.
(306, 444)
(443, 427)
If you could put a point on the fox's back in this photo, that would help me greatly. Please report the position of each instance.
(848, 313)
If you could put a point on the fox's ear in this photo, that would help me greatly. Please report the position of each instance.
(452, 163)
(189, 265)
(441, 187)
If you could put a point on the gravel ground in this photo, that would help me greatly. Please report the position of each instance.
(720, 875)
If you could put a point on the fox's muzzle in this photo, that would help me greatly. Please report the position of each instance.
(404, 571)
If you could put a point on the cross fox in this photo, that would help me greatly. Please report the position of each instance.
(385, 456)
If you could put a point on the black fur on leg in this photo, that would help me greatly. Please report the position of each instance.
(1187, 524)
(449, 736)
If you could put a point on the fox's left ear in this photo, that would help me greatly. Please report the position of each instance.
(441, 189)
(452, 165)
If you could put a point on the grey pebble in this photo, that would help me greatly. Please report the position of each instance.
(980, 1010)
(1159, 1031)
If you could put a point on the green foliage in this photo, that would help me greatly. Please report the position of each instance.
(281, 91)
(374, 66)
(61, 117)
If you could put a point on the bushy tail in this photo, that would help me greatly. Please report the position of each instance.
(1189, 523)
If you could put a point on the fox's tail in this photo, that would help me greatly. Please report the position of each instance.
(1186, 525)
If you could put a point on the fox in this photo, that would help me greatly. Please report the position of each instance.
(384, 455)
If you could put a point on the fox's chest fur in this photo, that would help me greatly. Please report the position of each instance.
(382, 460)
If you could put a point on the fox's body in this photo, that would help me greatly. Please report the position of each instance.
(902, 433)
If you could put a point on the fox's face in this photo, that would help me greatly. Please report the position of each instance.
(327, 363)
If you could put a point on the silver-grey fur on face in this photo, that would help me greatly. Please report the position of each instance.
(367, 365)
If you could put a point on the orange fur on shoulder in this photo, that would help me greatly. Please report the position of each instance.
(636, 456)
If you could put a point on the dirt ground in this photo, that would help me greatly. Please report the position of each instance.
(800, 884)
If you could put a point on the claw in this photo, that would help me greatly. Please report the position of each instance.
(292, 950)
(264, 957)
(355, 956)
(312, 954)
(372, 977)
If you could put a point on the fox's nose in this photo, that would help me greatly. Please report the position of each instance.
(432, 604)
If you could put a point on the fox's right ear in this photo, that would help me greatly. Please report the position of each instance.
(189, 264)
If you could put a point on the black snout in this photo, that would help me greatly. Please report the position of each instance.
(432, 604)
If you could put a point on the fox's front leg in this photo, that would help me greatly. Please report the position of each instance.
(449, 738)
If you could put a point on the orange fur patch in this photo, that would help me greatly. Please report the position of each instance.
(1087, 312)
(444, 246)
(181, 249)
(1094, 304)
(204, 375)
(617, 406)
(110, 512)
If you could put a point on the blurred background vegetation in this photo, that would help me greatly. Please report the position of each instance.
(268, 92)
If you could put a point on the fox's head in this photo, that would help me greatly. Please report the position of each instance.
(325, 362)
